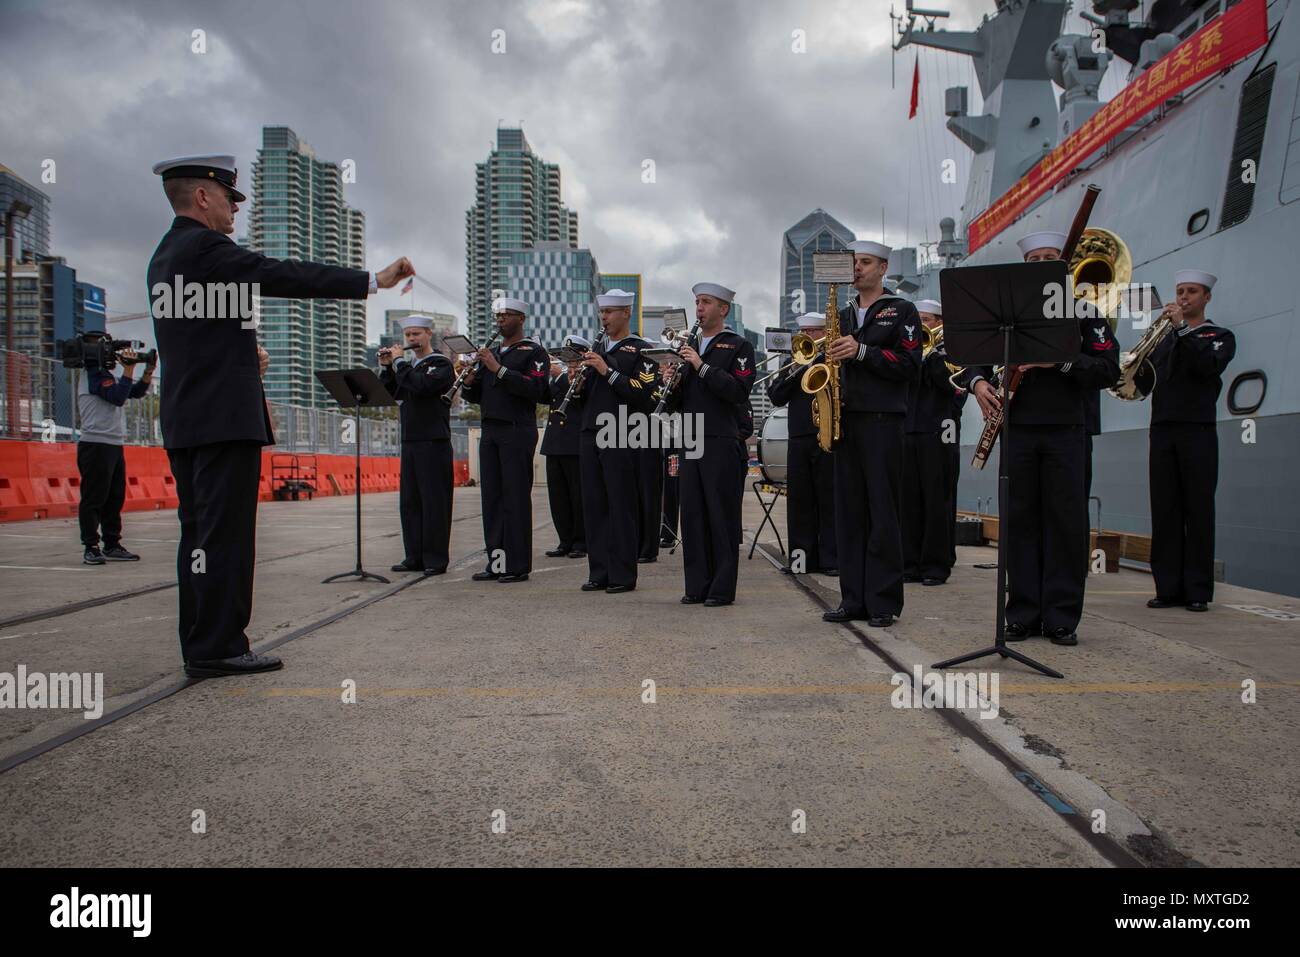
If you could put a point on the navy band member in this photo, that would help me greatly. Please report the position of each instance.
(716, 389)
(508, 386)
(927, 505)
(1047, 517)
(617, 384)
(215, 419)
(425, 494)
(560, 444)
(1184, 464)
(650, 498)
(810, 472)
(880, 355)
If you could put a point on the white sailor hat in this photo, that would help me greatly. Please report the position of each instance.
(714, 290)
(505, 304)
(415, 322)
(1046, 239)
(879, 250)
(1195, 275)
(218, 168)
(811, 320)
(929, 305)
(615, 298)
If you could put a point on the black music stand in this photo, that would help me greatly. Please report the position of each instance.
(353, 388)
(776, 489)
(1000, 314)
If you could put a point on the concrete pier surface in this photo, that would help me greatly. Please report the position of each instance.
(532, 723)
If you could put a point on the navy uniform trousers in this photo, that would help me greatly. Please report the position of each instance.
(609, 498)
(217, 488)
(710, 505)
(1047, 537)
(810, 503)
(952, 475)
(1184, 471)
(927, 511)
(425, 502)
(506, 472)
(564, 490)
(650, 501)
(868, 503)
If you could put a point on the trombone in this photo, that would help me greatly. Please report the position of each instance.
(804, 350)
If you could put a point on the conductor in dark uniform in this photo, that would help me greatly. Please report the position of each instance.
(508, 387)
(215, 419)
(927, 509)
(418, 384)
(617, 384)
(1184, 462)
(810, 472)
(563, 477)
(1047, 515)
(880, 355)
(714, 391)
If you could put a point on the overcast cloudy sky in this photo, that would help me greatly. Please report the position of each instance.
(747, 135)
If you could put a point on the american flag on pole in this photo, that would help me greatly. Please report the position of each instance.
(410, 284)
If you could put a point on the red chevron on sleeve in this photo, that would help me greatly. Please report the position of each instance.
(889, 354)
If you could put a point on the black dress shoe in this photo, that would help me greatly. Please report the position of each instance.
(880, 621)
(1159, 602)
(839, 614)
(1018, 632)
(934, 581)
(646, 561)
(559, 552)
(578, 553)
(1062, 636)
(593, 586)
(511, 579)
(430, 572)
(245, 664)
(403, 567)
(618, 589)
(691, 600)
(1197, 606)
(484, 576)
(911, 579)
(716, 602)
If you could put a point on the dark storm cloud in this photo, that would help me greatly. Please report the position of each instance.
(746, 135)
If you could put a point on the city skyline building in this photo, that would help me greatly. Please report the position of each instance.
(517, 205)
(628, 282)
(297, 211)
(560, 285)
(32, 232)
(818, 231)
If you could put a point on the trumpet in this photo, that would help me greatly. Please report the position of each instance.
(804, 350)
(450, 395)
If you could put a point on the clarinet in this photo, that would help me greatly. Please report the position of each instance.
(460, 378)
(575, 383)
(675, 377)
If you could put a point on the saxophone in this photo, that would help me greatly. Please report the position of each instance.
(822, 382)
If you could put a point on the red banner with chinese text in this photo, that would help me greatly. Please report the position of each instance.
(1216, 46)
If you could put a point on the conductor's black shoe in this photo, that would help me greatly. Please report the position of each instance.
(511, 579)
(934, 581)
(691, 599)
(646, 561)
(245, 664)
(484, 576)
(1159, 602)
(92, 556)
(1018, 632)
(116, 553)
(428, 572)
(558, 552)
(1062, 636)
(618, 589)
(403, 567)
(716, 602)
(593, 586)
(839, 614)
(1197, 606)
(880, 621)
(578, 553)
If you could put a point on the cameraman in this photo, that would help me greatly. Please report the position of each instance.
(100, 398)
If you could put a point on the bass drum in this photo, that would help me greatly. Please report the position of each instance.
(772, 445)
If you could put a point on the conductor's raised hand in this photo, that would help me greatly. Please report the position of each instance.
(390, 276)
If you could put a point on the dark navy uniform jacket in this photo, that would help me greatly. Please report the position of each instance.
(1189, 373)
(513, 394)
(888, 359)
(419, 387)
(631, 382)
(930, 397)
(211, 389)
(720, 390)
(785, 390)
(561, 436)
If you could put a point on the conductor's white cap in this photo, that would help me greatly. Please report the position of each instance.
(1041, 240)
(1195, 275)
(714, 290)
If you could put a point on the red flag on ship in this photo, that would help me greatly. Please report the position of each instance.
(916, 84)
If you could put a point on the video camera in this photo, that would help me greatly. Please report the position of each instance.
(95, 350)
